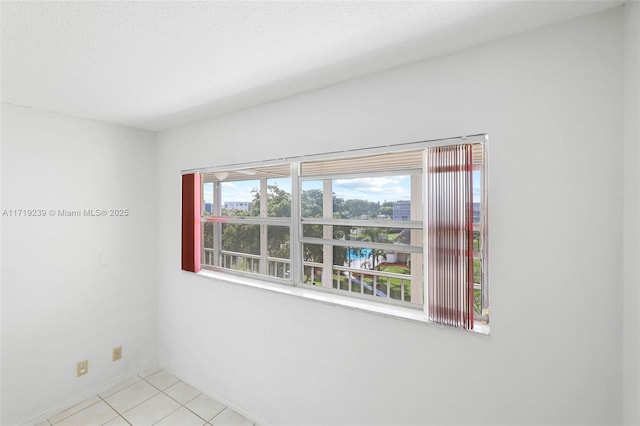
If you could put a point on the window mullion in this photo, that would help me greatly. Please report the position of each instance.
(425, 235)
(263, 228)
(417, 282)
(217, 227)
(327, 233)
(295, 246)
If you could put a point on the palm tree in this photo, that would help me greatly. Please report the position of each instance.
(376, 254)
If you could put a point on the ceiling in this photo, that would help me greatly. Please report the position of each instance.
(157, 65)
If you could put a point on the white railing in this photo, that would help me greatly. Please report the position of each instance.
(312, 272)
(276, 267)
(372, 282)
(364, 281)
(240, 261)
(279, 267)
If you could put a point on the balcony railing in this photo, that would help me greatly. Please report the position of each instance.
(378, 284)
(372, 282)
(245, 262)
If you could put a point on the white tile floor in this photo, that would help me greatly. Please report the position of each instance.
(152, 398)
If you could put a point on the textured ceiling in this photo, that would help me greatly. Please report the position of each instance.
(156, 65)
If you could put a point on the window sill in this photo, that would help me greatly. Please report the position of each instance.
(391, 311)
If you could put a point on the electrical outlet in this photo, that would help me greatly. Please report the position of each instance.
(117, 353)
(83, 367)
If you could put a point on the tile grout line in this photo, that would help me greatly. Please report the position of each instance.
(181, 404)
(185, 404)
(117, 412)
(205, 420)
(167, 415)
(140, 403)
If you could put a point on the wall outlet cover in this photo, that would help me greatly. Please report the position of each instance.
(117, 353)
(83, 368)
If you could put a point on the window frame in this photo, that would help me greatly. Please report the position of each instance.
(329, 243)
(262, 220)
(295, 221)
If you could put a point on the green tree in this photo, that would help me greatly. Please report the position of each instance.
(355, 208)
(386, 209)
(278, 202)
(241, 238)
(376, 255)
(312, 203)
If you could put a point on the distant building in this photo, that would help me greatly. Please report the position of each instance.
(208, 207)
(402, 210)
(476, 212)
(238, 205)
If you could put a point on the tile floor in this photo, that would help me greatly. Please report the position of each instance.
(152, 398)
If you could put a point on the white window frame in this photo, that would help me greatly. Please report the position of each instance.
(295, 221)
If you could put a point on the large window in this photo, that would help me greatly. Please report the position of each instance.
(403, 225)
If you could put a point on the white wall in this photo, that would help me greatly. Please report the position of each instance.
(58, 305)
(631, 290)
(551, 101)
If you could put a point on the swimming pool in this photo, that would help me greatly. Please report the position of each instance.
(359, 254)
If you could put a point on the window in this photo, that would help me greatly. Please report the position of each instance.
(352, 238)
(248, 227)
(403, 225)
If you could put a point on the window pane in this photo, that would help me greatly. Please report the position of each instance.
(312, 253)
(240, 247)
(312, 231)
(312, 264)
(241, 238)
(477, 195)
(240, 198)
(477, 301)
(373, 272)
(279, 262)
(381, 197)
(279, 197)
(207, 242)
(311, 203)
(278, 241)
(207, 193)
(476, 240)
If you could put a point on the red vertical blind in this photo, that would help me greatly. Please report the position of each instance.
(450, 235)
(191, 222)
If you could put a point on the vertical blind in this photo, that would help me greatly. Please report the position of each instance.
(191, 247)
(450, 235)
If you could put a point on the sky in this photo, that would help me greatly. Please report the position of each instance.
(383, 188)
